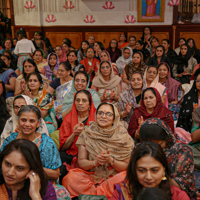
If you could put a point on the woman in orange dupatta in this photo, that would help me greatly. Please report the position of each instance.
(104, 149)
(83, 111)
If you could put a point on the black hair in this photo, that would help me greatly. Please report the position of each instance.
(147, 149)
(68, 41)
(182, 39)
(168, 41)
(75, 52)
(163, 48)
(29, 60)
(38, 77)
(17, 97)
(32, 156)
(81, 72)
(30, 108)
(140, 42)
(132, 36)
(154, 38)
(12, 46)
(39, 51)
(105, 61)
(81, 67)
(21, 32)
(152, 194)
(2, 65)
(148, 89)
(89, 48)
(100, 45)
(66, 65)
(142, 38)
(106, 103)
(87, 93)
(124, 36)
(151, 132)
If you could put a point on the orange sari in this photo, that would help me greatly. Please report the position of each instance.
(3, 192)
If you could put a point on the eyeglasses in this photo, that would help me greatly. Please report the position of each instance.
(107, 114)
(80, 80)
(83, 100)
(113, 43)
(18, 107)
(107, 67)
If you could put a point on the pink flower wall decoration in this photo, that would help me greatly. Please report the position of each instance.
(174, 3)
(69, 5)
(130, 19)
(89, 19)
(29, 4)
(108, 5)
(50, 18)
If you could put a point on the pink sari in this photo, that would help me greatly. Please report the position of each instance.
(151, 7)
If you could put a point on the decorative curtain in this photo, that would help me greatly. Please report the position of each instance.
(3, 7)
(19, 6)
(54, 6)
(189, 6)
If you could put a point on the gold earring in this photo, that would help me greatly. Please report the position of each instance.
(164, 178)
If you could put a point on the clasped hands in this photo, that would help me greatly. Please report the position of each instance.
(103, 158)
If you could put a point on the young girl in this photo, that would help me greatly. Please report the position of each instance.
(23, 49)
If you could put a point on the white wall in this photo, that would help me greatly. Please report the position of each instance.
(76, 16)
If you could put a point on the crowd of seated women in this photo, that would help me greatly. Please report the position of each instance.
(119, 122)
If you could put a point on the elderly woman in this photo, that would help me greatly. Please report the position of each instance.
(29, 119)
(83, 111)
(23, 176)
(130, 99)
(61, 86)
(104, 150)
(42, 99)
(136, 65)
(184, 65)
(12, 123)
(80, 82)
(151, 106)
(179, 156)
(148, 168)
(107, 84)
(151, 79)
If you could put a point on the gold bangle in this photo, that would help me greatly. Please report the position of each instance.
(93, 163)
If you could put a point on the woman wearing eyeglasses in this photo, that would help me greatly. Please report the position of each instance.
(80, 82)
(107, 84)
(104, 150)
(12, 123)
(83, 111)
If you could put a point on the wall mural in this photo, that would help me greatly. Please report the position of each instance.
(130, 19)
(89, 19)
(29, 4)
(69, 5)
(174, 3)
(98, 12)
(108, 5)
(50, 18)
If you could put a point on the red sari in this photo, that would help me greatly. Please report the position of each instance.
(160, 111)
(95, 65)
(68, 124)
